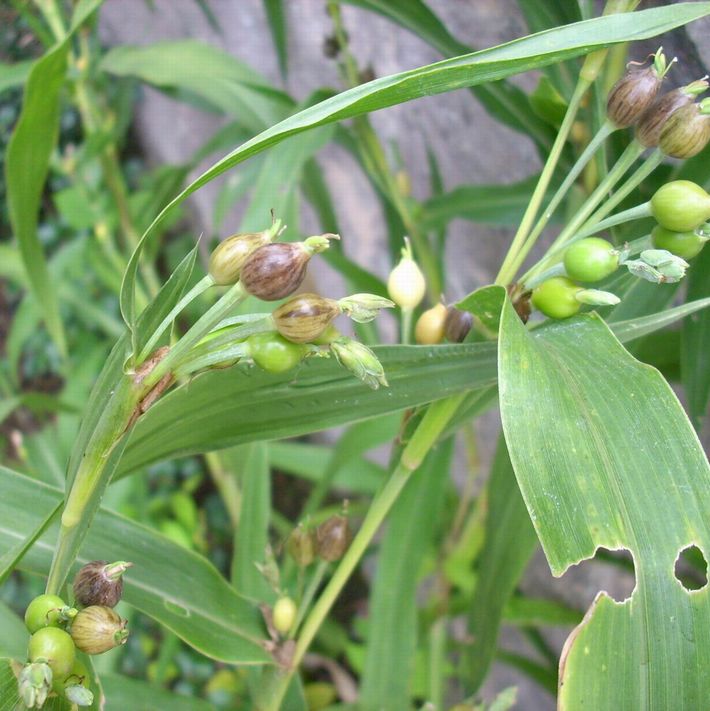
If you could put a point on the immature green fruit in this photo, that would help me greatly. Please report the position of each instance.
(458, 324)
(47, 611)
(680, 206)
(284, 615)
(273, 353)
(683, 244)
(303, 318)
(556, 297)
(632, 95)
(229, 256)
(275, 271)
(100, 583)
(591, 259)
(430, 326)
(97, 629)
(686, 132)
(333, 538)
(54, 647)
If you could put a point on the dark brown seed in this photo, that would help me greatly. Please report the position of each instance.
(650, 125)
(304, 317)
(632, 95)
(333, 538)
(275, 271)
(685, 133)
(100, 583)
(457, 325)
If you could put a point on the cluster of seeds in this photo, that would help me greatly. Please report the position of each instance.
(679, 126)
(58, 631)
(304, 323)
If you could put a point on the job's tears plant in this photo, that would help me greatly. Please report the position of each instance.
(227, 361)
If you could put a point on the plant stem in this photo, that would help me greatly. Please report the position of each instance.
(641, 173)
(425, 436)
(406, 326)
(554, 271)
(513, 259)
(205, 283)
(626, 160)
(196, 333)
(606, 129)
(313, 585)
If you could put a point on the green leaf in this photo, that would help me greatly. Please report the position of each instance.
(10, 559)
(621, 467)
(14, 75)
(26, 168)
(695, 343)
(310, 462)
(123, 693)
(276, 14)
(206, 72)
(252, 534)
(492, 204)
(175, 586)
(538, 612)
(14, 638)
(465, 71)
(392, 639)
(510, 541)
(226, 407)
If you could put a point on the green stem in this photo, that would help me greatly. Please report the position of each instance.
(205, 283)
(641, 173)
(626, 160)
(313, 584)
(553, 271)
(513, 258)
(425, 436)
(604, 132)
(199, 330)
(406, 326)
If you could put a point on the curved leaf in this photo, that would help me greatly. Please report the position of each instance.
(608, 458)
(468, 70)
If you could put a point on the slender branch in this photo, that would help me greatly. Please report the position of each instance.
(430, 428)
(513, 258)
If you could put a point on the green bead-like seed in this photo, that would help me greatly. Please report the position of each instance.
(590, 259)
(273, 353)
(683, 244)
(680, 206)
(53, 646)
(44, 611)
(556, 298)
